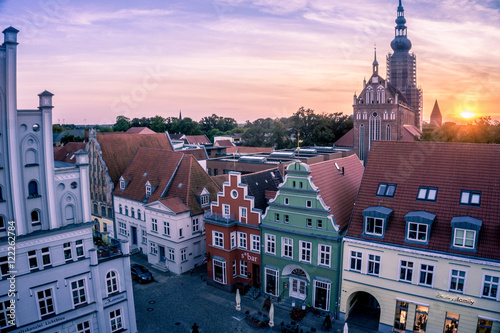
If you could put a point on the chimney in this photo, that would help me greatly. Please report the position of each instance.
(342, 171)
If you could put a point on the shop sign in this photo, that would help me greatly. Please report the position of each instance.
(459, 299)
(43, 324)
(249, 257)
(112, 300)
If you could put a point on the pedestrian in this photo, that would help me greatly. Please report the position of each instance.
(327, 323)
(201, 276)
(267, 304)
(194, 329)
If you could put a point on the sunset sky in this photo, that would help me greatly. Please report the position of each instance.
(245, 59)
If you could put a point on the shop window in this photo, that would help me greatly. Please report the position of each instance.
(484, 326)
(451, 322)
(271, 277)
(219, 268)
(421, 313)
(401, 316)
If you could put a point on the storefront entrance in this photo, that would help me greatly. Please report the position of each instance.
(297, 288)
(363, 311)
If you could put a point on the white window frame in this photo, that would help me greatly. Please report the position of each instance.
(234, 268)
(375, 226)
(275, 273)
(491, 280)
(408, 270)
(153, 247)
(464, 238)
(305, 251)
(243, 268)
(426, 271)
(144, 237)
(84, 327)
(204, 200)
(243, 213)
(46, 254)
(112, 285)
(122, 228)
(44, 300)
(183, 254)
(270, 244)
(287, 247)
(417, 232)
(233, 239)
(196, 225)
(154, 225)
(358, 260)
(66, 248)
(218, 239)
(81, 292)
(324, 255)
(242, 240)
(375, 260)
(34, 256)
(166, 228)
(455, 274)
(148, 191)
(221, 264)
(79, 246)
(115, 318)
(171, 254)
(286, 201)
(308, 203)
(323, 285)
(256, 243)
(226, 211)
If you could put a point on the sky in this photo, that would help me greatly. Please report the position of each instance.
(246, 59)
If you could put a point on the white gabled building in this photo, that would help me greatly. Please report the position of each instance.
(159, 206)
(62, 284)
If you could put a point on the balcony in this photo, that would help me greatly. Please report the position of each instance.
(106, 246)
(221, 218)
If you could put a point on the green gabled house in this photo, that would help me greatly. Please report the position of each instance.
(301, 232)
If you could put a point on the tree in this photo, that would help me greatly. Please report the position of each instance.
(70, 138)
(186, 126)
(122, 124)
(158, 124)
(56, 128)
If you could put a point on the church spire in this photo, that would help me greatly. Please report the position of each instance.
(401, 43)
(375, 63)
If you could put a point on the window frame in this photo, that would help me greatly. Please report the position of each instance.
(33, 255)
(464, 238)
(491, 282)
(356, 258)
(373, 233)
(81, 290)
(117, 318)
(408, 270)
(67, 247)
(417, 232)
(79, 245)
(384, 190)
(122, 229)
(112, 285)
(458, 278)
(256, 243)
(427, 190)
(270, 244)
(218, 239)
(243, 268)
(305, 251)
(242, 240)
(44, 300)
(426, 271)
(287, 246)
(324, 254)
(471, 194)
(373, 264)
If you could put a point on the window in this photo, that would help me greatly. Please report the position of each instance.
(472, 198)
(388, 132)
(45, 302)
(219, 271)
(305, 251)
(484, 326)
(226, 211)
(285, 201)
(153, 248)
(144, 236)
(417, 231)
(319, 224)
(464, 238)
(401, 316)
(457, 280)
(324, 254)
(148, 191)
(115, 319)
(183, 255)
(242, 240)
(67, 252)
(271, 277)
(243, 268)
(234, 268)
(374, 226)
(120, 209)
(406, 271)
(270, 243)
(122, 228)
(309, 222)
(2, 222)
(83, 327)
(218, 239)
(132, 212)
(356, 260)
(171, 254)
(373, 264)
(294, 184)
(421, 314)
(196, 225)
(204, 200)
(322, 295)
(4, 312)
(243, 212)
(287, 219)
(233, 239)
(308, 203)
(126, 210)
(256, 243)
(427, 193)
(490, 286)
(166, 228)
(154, 225)
(79, 249)
(32, 260)
(35, 217)
(287, 247)
(46, 261)
(78, 292)
(122, 184)
(33, 189)
(4, 266)
(138, 214)
(386, 190)
(451, 322)
(180, 233)
(426, 275)
(112, 282)
(277, 217)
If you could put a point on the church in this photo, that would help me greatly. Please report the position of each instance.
(389, 109)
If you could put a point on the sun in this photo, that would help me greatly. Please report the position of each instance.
(466, 114)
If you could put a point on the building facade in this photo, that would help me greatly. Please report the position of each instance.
(422, 252)
(53, 278)
(301, 232)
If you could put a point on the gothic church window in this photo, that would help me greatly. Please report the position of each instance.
(69, 212)
(388, 132)
(33, 189)
(35, 217)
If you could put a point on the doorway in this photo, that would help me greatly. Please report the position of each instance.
(363, 311)
(298, 288)
(134, 235)
(256, 275)
(162, 253)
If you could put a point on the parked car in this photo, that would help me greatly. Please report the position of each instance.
(140, 273)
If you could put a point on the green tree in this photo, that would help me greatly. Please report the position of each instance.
(70, 138)
(56, 128)
(186, 126)
(158, 124)
(122, 124)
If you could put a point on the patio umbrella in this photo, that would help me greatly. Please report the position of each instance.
(238, 300)
(346, 329)
(271, 315)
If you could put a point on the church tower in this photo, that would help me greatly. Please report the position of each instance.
(402, 67)
(436, 117)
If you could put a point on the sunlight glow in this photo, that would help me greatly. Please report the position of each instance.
(467, 114)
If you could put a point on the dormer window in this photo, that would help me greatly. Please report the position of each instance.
(204, 197)
(122, 183)
(471, 198)
(386, 190)
(418, 226)
(465, 231)
(374, 226)
(148, 190)
(427, 193)
(375, 220)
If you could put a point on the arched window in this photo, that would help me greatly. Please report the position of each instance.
(69, 213)
(365, 116)
(388, 132)
(112, 282)
(393, 116)
(31, 157)
(95, 209)
(120, 209)
(132, 212)
(33, 189)
(374, 129)
(362, 142)
(139, 214)
(380, 95)
(369, 95)
(126, 210)
(35, 217)
(386, 115)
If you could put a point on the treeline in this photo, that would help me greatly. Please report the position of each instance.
(305, 125)
(482, 130)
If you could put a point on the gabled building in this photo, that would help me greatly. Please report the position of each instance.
(52, 276)
(159, 205)
(232, 229)
(302, 228)
(110, 154)
(67, 152)
(422, 251)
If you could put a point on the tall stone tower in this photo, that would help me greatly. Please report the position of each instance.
(436, 117)
(402, 67)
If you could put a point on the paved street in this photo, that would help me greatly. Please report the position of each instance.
(175, 302)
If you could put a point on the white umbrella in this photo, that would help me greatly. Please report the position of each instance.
(271, 315)
(238, 300)
(346, 329)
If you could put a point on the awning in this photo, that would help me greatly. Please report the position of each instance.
(466, 222)
(379, 211)
(420, 217)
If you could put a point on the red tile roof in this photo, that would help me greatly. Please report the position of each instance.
(175, 204)
(175, 175)
(198, 139)
(450, 167)
(67, 152)
(199, 153)
(347, 140)
(338, 191)
(410, 133)
(223, 143)
(140, 130)
(119, 148)
(248, 150)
